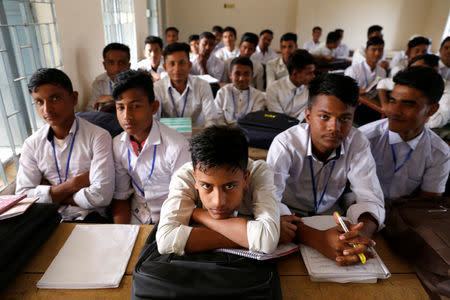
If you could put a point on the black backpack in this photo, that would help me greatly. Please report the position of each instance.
(207, 275)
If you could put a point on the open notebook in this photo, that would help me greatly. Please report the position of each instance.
(321, 268)
(282, 250)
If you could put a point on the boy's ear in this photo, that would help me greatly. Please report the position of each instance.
(75, 98)
(246, 178)
(104, 65)
(432, 109)
(308, 116)
(154, 107)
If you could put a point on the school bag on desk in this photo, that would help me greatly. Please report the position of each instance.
(208, 275)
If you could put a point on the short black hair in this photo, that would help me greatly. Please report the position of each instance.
(49, 76)
(151, 39)
(342, 87)
(172, 29)
(374, 41)
(317, 28)
(250, 37)
(176, 47)
(424, 79)
(240, 60)
(229, 28)
(193, 37)
(266, 31)
(207, 35)
(447, 39)
(218, 146)
(374, 28)
(217, 28)
(418, 40)
(298, 60)
(289, 36)
(340, 31)
(333, 37)
(116, 46)
(430, 60)
(130, 79)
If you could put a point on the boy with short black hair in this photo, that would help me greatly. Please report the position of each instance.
(146, 154)
(116, 58)
(171, 35)
(444, 63)
(342, 50)
(218, 32)
(181, 94)
(326, 51)
(229, 50)
(235, 100)
(263, 54)
(153, 53)
(409, 156)
(360, 54)
(289, 95)
(276, 68)
(314, 43)
(416, 46)
(205, 62)
(226, 192)
(194, 41)
(312, 164)
(68, 161)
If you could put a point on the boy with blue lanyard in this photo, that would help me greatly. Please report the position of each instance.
(235, 100)
(312, 164)
(146, 154)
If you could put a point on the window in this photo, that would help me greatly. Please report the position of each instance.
(28, 41)
(153, 17)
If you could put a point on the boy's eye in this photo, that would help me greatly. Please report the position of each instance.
(323, 117)
(229, 186)
(345, 119)
(206, 186)
(56, 98)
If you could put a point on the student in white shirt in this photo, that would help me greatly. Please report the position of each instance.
(360, 54)
(229, 50)
(205, 62)
(182, 95)
(312, 164)
(444, 63)
(289, 95)
(368, 72)
(276, 68)
(246, 49)
(314, 43)
(116, 58)
(68, 161)
(416, 46)
(146, 154)
(218, 32)
(171, 35)
(235, 100)
(153, 53)
(194, 41)
(231, 196)
(409, 156)
(326, 51)
(342, 50)
(263, 54)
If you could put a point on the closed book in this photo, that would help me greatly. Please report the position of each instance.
(7, 201)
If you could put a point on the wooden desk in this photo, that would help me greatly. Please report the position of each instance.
(294, 277)
(372, 103)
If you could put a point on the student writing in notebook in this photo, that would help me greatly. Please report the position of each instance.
(69, 160)
(325, 53)
(153, 53)
(312, 163)
(146, 154)
(228, 194)
(276, 68)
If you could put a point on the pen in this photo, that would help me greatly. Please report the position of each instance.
(361, 256)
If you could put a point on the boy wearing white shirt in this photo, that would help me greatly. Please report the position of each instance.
(368, 71)
(360, 54)
(410, 157)
(205, 62)
(444, 63)
(342, 50)
(153, 53)
(314, 43)
(234, 101)
(263, 54)
(181, 94)
(68, 161)
(146, 154)
(228, 194)
(218, 32)
(312, 163)
(276, 68)
(194, 41)
(229, 50)
(289, 95)
(416, 46)
(326, 51)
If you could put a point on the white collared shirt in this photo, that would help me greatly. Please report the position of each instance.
(259, 205)
(363, 75)
(289, 156)
(245, 101)
(311, 45)
(360, 55)
(283, 96)
(427, 167)
(214, 67)
(342, 51)
(442, 116)
(102, 85)
(401, 65)
(199, 102)
(172, 151)
(275, 69)
(263, 58)
(323, 50)
(192, 56)
(444, 71)
(258, 74)
(92, 152)
(223, 53)
(146, 65)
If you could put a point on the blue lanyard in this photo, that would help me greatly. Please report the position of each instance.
(317, 204)
(173, 102)
(234, 104)
(396, 169)
(149, 176)
(70, 153)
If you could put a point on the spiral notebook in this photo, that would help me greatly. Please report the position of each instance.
(282, 250)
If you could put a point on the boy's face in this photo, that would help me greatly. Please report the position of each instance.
(241, 76)
(177, 66)
(316, 35)
(287, 48)
(444, 53)
(206, 46)
(221, 189)
(246, 49)
(194, 44)
(218, 36)
(416, 51)
(228, 38)
(408, 110)
(135, 113)
(54, 104)
(330, 121)
(265, 40)
(374, 53)
(304, 76)
(332, 45)
(115, 62)
(171, 37)
(153, 52)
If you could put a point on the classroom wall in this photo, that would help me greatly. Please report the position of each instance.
(436, 21)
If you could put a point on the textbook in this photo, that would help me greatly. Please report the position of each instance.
(8, 201)
(18, 209)
(282, 250)
(321, 268)
(182, 125)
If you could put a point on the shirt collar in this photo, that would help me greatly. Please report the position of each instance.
(51, 133)
(292, 86)
(153, 138)
(336, 154)
(188, 85)
(367, 67)
(394, 138)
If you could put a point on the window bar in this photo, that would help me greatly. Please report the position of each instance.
(5, 119)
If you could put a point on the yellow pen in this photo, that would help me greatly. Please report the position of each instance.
(361, 256)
